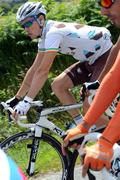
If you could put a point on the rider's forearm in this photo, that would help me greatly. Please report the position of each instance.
(107, 91)
(110, 61)
(41, 74)
(112, 132)
(29, 75)
(37, 83)
(26, 83)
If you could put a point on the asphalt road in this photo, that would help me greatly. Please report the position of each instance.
(56, 176)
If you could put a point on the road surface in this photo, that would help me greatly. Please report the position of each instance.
(56, 176)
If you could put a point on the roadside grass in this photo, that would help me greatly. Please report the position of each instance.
(47, 160)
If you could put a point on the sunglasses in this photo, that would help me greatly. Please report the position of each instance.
(105, 3)
(28, 23)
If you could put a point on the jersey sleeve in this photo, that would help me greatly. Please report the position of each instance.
(51, 42)
(41, 45)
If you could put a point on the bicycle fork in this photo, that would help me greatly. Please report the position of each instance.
(34, 150)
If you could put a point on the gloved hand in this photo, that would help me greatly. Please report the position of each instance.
(13, 101)
(88, 86)
(23, 106)
(74, 133)
(98, 156)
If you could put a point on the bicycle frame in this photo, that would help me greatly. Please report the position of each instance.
(43, 121)
(37, 128)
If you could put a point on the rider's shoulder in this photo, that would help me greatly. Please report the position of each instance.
(98, 28)
(51, 27)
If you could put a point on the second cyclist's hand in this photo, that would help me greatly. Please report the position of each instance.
(98, 156)
(74, 133)
(22, 107)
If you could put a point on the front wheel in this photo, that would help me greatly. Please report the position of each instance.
(49, 158)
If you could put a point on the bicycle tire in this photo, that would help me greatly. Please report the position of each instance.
(72, 173)
(16, 147)
(75, 163)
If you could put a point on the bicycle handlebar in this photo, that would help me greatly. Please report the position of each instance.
(20, 118)
(44, 112)
(34, 103)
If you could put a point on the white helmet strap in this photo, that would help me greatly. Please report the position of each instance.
(40, 22)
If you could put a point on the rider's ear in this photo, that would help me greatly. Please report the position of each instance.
(42, 19)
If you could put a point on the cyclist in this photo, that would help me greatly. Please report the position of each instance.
(8, 169)
(87, 44)
(100, 154)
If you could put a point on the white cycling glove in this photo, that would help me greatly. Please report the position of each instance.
(23, 106)
(88, 86)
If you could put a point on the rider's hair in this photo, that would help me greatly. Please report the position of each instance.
(42, 15)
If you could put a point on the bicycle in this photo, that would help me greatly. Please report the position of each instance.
(36, 135)
(35, 139)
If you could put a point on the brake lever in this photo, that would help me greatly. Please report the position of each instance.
(78, 141)
(3, 108)
(10, 120)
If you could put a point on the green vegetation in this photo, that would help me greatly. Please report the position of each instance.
(47, 158)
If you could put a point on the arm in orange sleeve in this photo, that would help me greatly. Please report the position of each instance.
(112, 131)
(99, 155)
(109, 88)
